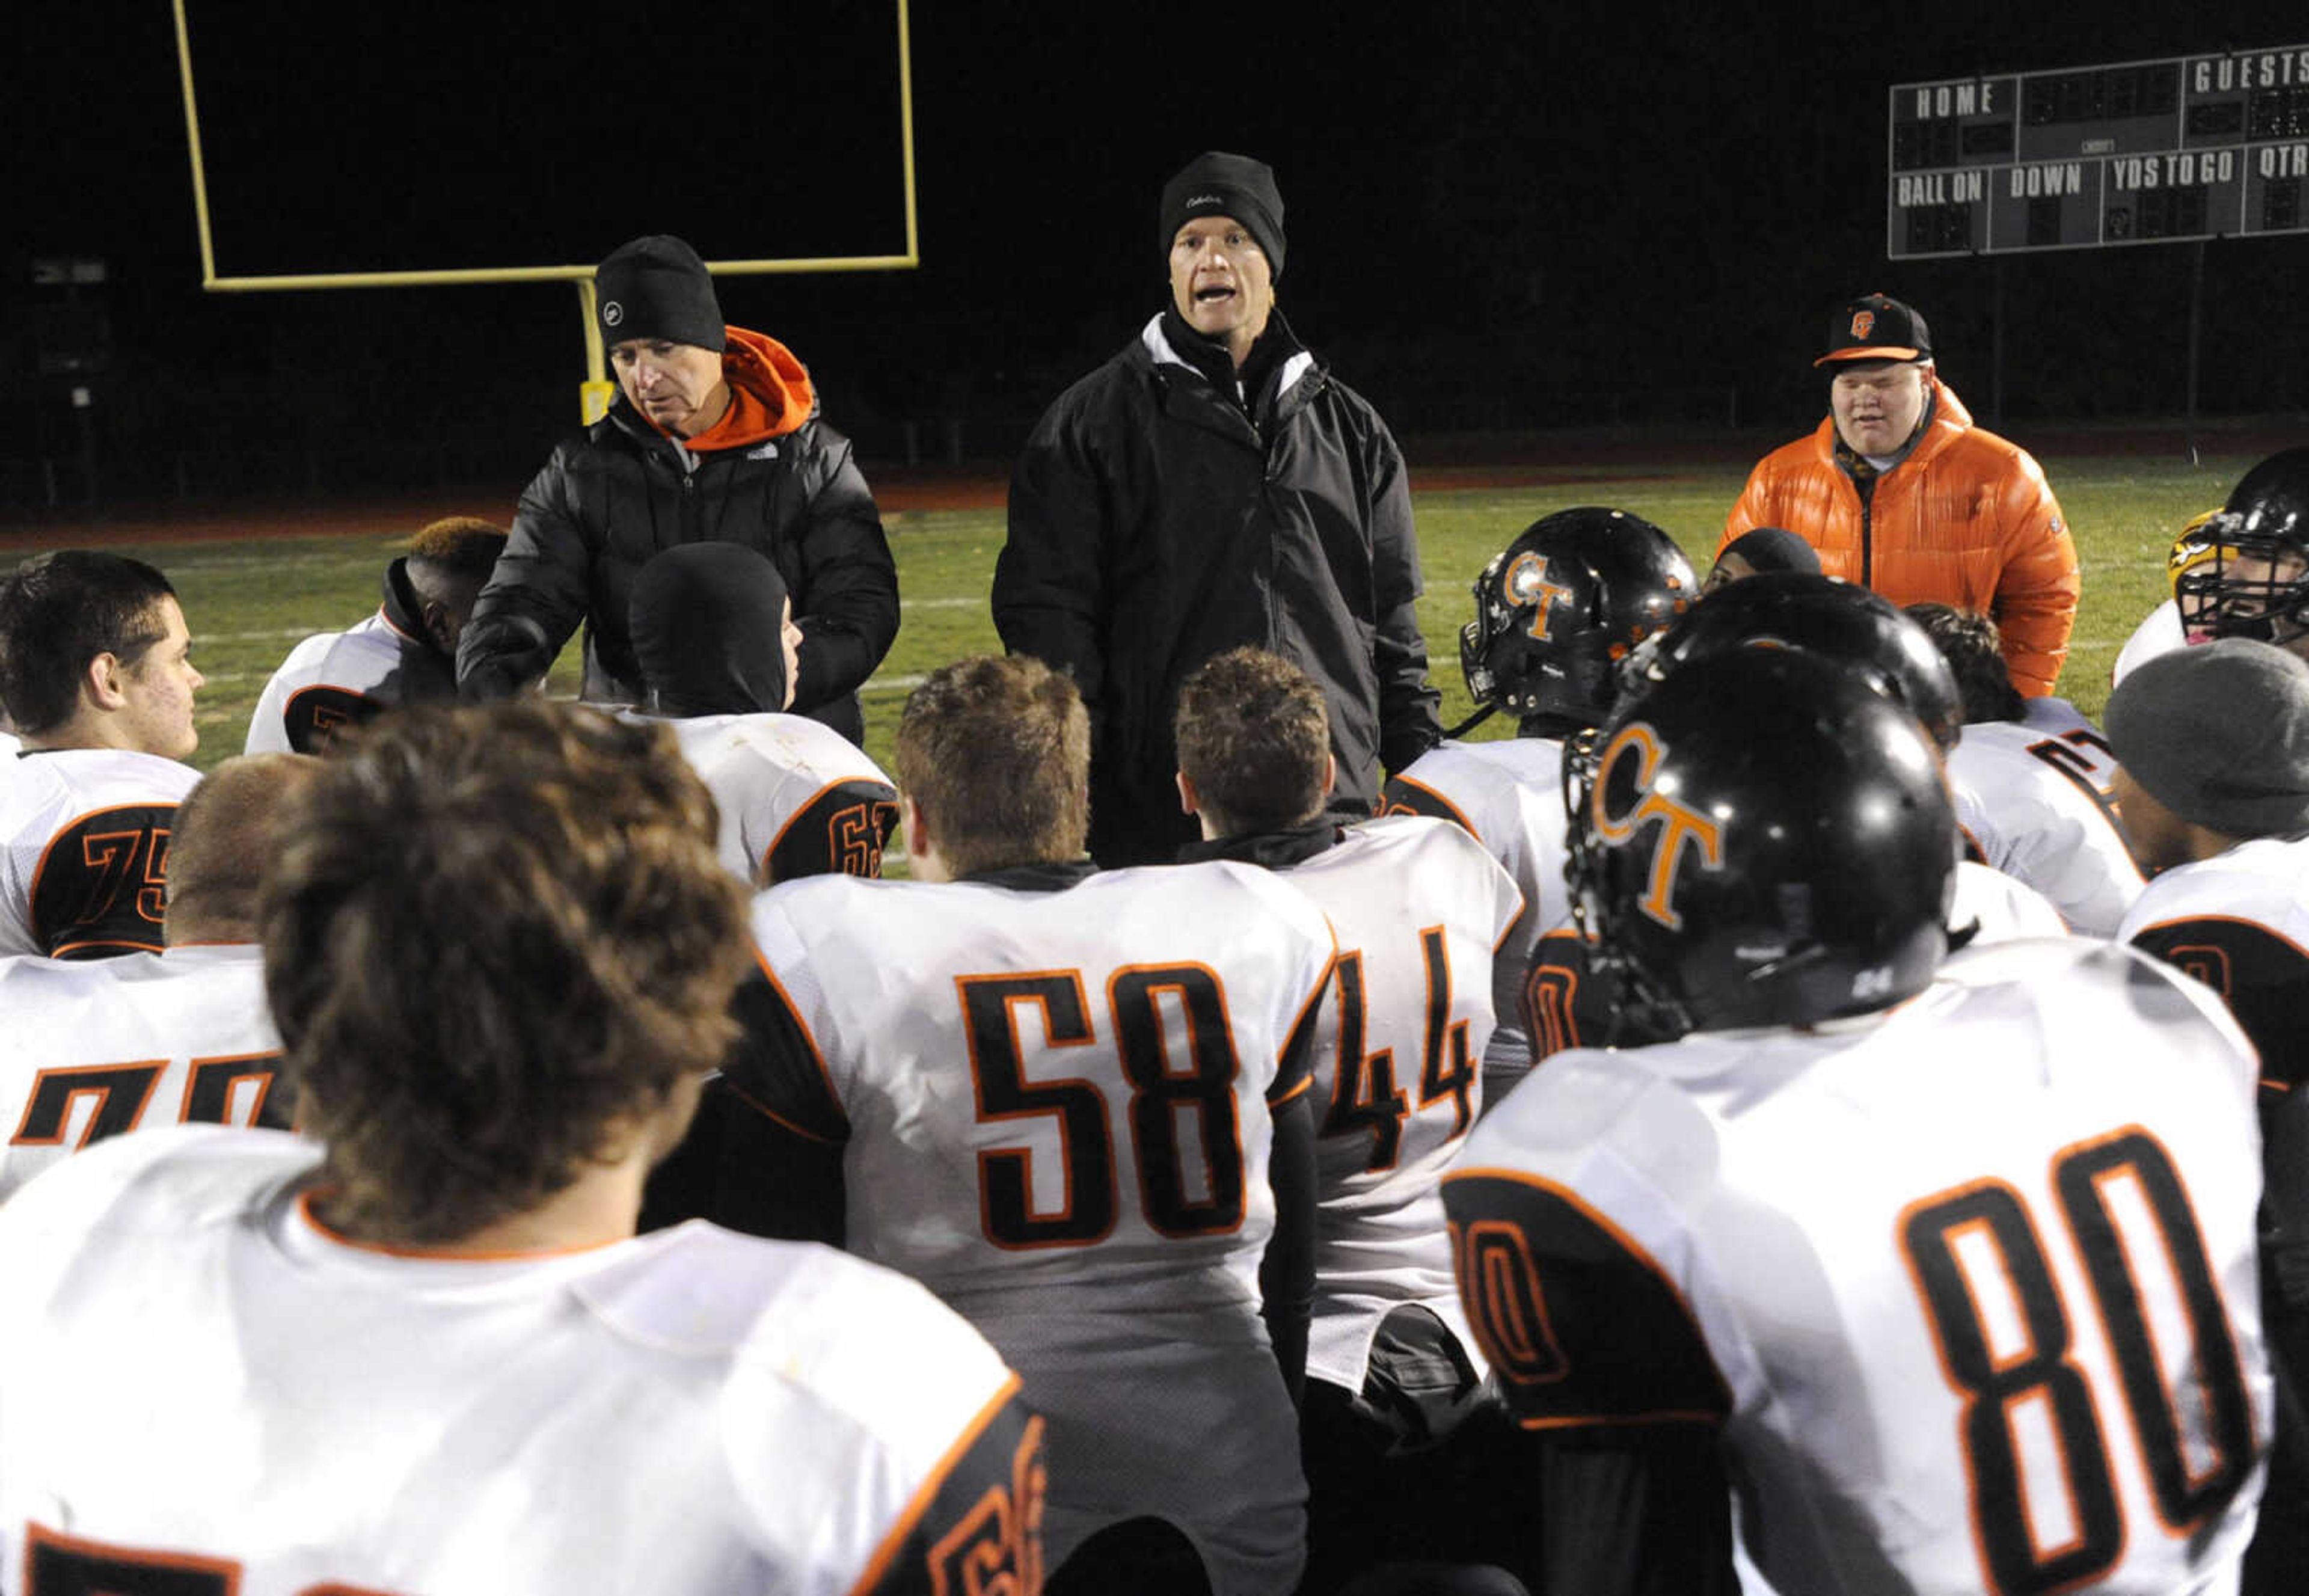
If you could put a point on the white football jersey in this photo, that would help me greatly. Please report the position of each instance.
(796, 797)
(2000, 907)
(2239, 923)
(2159, 632)
(2087, 755)
(84, 850)
(1419, 908)
(1969, 1286)
(1054, 1107)
(1508, 794)
(94, 1049)
(197, 1376)
(1567, 1005)
(2265, 880)
(2029, 803)
(340, 679)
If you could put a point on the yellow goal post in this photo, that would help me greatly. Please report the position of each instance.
(595, 392)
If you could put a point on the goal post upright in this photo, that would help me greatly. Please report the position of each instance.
(593, 394)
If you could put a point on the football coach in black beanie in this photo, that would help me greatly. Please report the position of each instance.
(713, 437)
(1214, 486)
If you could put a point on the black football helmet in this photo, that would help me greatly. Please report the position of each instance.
(2254, 581)
(1841, 620)
(1557, 609)
(1767, 841)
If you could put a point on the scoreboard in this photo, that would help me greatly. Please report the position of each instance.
(2143, 152)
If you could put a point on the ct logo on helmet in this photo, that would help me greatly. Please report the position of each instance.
(612, 313)
(1863, 322)
(1526, 584)
(1679, 822)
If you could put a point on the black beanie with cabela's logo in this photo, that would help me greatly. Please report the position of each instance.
(1217, 183)
(657, 287)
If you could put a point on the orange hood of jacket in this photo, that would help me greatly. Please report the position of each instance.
(1967, 519)
(770, 393)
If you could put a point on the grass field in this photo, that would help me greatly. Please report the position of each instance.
(249, 601)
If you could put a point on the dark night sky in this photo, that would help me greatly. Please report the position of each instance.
(1554, 199)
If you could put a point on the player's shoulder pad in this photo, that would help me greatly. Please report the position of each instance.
(1444, 783)
(1433, 848)
(1222, 881)
(2201, 937)
(823, 747)
(2003, 907)
(130, 772)
(2264, 881)
(802, 1323)
(300, 665)
(1405, 832)
(172, 1179)
(30, 982)
(1590, 1106)
(699, 1289)
(2089, 977)
(782, 915)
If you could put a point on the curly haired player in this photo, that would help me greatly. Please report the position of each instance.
(423, 1350)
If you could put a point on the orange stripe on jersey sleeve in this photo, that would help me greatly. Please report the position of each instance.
(772, 1115)
(1448, 811)
(52, 1552)
(809, 1040)
(803, 808)
(2270, 931)
(894, 1542)
(1704, 1401)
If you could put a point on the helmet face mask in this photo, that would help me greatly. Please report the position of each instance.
(2244, 572)
(1765, 842)
(2243, 587)
(1561, 604)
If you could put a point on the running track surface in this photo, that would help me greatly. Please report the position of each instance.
(1489, 462)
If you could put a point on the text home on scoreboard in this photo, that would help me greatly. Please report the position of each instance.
(2141, 152)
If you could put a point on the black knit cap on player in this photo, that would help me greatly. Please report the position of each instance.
(705, 623)
(2218, 733)
(1217, 183)
(1877, 327)
(657, 287)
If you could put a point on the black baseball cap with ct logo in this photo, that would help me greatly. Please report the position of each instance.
(1876, 327)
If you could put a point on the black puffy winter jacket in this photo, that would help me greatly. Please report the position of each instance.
(619, 491)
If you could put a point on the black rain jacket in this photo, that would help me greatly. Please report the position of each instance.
(1155, 524)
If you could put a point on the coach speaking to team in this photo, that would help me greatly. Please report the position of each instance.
(713, 438)
(1212, 486)
(1901, 492)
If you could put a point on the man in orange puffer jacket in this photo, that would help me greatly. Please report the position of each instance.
(1901, 492)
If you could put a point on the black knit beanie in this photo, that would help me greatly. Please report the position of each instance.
(704, 624)
(657, 287)
(1217, 184)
